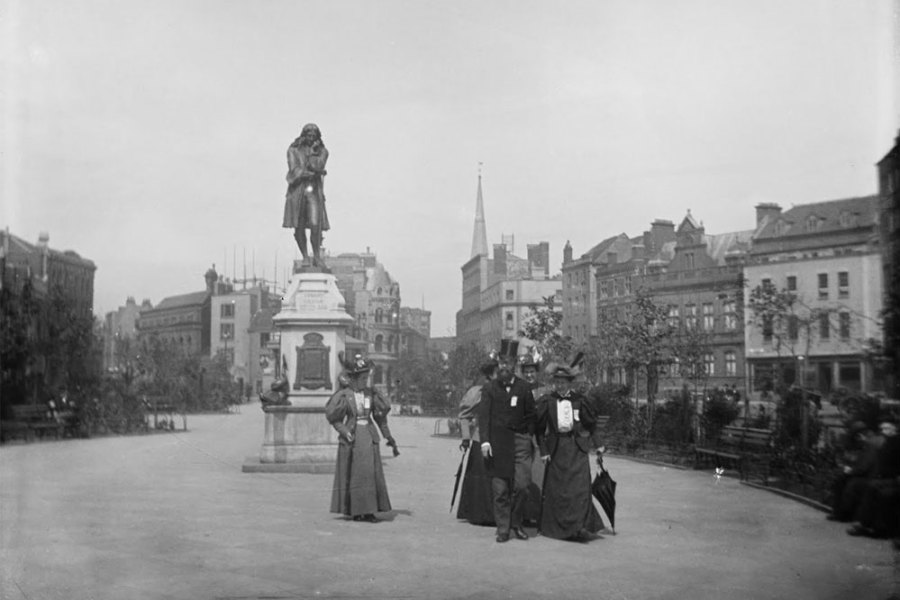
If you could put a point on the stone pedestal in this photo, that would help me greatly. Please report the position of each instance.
(311, 324)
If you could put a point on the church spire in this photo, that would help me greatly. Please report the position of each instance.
(479, 235)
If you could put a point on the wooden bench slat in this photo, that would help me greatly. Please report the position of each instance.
(738, 445)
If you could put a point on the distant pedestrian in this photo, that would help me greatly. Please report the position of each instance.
(506, 424)
(359, 489)
(567, 433)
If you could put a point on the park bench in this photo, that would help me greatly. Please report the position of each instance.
(739, 448)
(30, 420)
(162, 411)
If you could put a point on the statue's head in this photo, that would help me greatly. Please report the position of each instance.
(310, 133)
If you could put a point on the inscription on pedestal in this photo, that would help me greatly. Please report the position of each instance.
(313, 364)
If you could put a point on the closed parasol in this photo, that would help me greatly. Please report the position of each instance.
(604, 490)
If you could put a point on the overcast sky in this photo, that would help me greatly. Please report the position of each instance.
(150, 136)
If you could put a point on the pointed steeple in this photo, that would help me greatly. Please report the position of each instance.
(479, 235)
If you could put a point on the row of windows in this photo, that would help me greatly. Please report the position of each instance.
(707, 365)
(703, 317)
(612, 288)
(579, 278)
(170, 320)
(819, 324)
(380, 343)
(823, 284)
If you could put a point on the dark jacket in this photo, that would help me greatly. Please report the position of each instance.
(887, 460)
(584, 428)
(502, 414)
(343, 415)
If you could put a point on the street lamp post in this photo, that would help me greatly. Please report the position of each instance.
(804, 424)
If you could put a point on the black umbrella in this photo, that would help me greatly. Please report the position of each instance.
(604, 490)
(458, 476)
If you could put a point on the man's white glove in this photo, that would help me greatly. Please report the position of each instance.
(486, 449)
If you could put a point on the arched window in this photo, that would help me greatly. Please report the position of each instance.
(378, 315)
(379, 340)
(390, 343)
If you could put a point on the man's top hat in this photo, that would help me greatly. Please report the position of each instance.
(509, 349)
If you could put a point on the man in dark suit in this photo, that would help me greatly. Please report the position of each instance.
(506, 423)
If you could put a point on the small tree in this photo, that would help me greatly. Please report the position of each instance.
(643, 344)
(542, 326)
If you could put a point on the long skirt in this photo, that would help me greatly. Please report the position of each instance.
(532, 511)
(476, 500)
(568, 505)
(359, 485)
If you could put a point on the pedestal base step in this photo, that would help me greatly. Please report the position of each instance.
(253, 465)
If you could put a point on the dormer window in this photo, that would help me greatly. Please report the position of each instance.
(781, 227)
(848, 219)
(812, 223)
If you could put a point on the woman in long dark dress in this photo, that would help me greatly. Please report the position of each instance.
(567, 433)
(354, 410)
(476, 499)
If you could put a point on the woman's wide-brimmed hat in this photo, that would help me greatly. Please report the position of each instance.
(558, 371)
(530, 360)
(491, 362)
(357, 365)
(567, 372)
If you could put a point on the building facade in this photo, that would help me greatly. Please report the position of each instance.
(231, 316)
(499, 293)
(827, 256)
(120, 332)
(182, 322)
(40, 273)
(701, 288)
(373, 300)
(889, 192)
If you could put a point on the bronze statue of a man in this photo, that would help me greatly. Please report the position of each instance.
(304, 204)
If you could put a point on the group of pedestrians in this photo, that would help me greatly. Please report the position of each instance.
(507, 420)
(867, 492)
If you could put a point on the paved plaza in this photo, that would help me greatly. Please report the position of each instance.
(171, 515)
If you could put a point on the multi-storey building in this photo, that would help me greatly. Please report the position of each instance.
(372, 298)
(415, 331)
(120, 330)
(515, 287)
(44, 271)
(182, 321)
(579, 286)
(46, 268)
(701, 287)
(617, 272)
(264, 362)
(889, 191)
(231, 315)
(827, 256)
(499, 293)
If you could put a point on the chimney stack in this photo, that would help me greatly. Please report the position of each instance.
(767, 211)
(500, 259)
